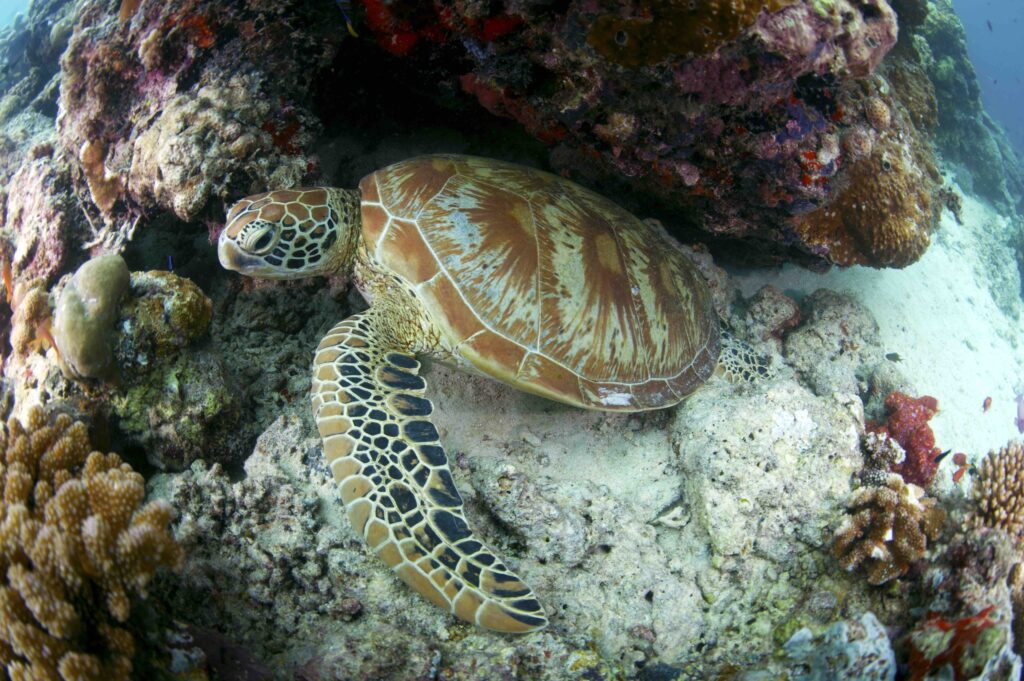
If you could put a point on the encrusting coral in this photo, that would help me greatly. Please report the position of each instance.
(75, 546)
(888, 528)
(998, 492)
(907, 423)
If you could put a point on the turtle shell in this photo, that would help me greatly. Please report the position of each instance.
(543, 284)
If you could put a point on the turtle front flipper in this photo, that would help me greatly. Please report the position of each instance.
(369, 405)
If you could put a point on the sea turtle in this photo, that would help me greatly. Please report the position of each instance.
(501, 269)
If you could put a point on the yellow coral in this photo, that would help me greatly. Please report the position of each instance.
(75, 547)
(999, 492)
(888, 528)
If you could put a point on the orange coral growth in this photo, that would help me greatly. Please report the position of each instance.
(884, 217)
(104, 187)
(664, 28)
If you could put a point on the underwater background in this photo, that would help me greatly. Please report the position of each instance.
(845, 175)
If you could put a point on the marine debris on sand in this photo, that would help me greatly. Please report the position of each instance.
(855, 516)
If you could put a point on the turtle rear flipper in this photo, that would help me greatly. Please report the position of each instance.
(369, 405)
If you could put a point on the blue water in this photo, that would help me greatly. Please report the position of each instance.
(9, 8)
(995, 29)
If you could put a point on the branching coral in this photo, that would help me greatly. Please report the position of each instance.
(888, 528)
(75, 546)
(998, 492)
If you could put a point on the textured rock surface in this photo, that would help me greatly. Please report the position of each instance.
(857, 649)
(170, 104)
(176, 399)
(739, 112)
(657, 540)
(837, 350)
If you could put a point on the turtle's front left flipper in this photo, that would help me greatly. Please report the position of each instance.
(369, 404)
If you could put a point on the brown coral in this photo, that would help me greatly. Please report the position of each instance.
(884, 217)
(998, 492)
(75, 546)
(664, 28)
(878, 114)
(888, 528)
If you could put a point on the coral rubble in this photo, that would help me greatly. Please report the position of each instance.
(888, 529)
(76, 546)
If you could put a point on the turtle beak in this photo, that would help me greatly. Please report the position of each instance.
(233, 258)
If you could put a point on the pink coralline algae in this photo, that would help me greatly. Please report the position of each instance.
(907, 423)
(167, 105)
(734, 111)
(42, 217)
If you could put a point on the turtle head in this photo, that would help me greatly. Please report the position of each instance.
(291, 233)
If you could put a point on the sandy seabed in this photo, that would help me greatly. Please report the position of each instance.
(955, 318)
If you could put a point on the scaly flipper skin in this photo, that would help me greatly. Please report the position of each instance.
(369, 405)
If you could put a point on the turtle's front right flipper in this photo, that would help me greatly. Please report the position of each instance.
(369, 404)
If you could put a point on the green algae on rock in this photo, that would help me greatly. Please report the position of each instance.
(166, 312)
(176, 398)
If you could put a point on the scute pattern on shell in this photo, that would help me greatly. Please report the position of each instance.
(542, 283)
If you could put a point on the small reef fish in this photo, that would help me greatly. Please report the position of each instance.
(986, 405)
(989, 24)
(893, 357)
(8, 281)
(960, 459)
(1020, 412)
(346, 8)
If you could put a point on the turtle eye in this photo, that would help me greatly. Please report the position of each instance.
(259, 240)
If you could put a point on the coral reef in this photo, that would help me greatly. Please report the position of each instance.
(734, 112)
(83, 322)
(176, 398)
(174, 166)
(32, 317)
(966, 134)
(165, 313)
(888, 529)
(885, 215)
(40, 216)
(173, 104)
(881, 454)
(907, 423)
(854, 650)
(965, 631)
(75, 548)
(998, 492)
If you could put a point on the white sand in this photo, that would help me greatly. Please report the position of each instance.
(941, 316)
